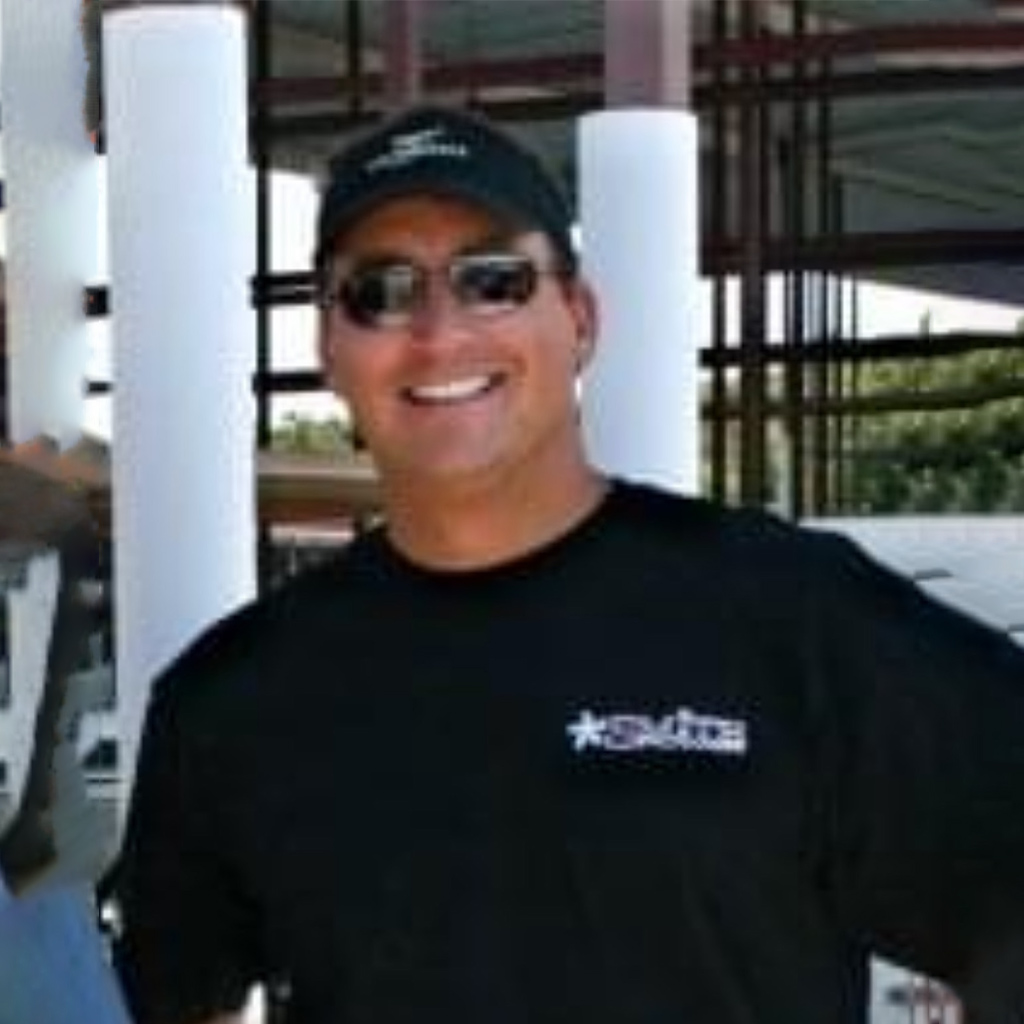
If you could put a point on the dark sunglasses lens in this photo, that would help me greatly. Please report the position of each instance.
(493, 283)
(381, 296)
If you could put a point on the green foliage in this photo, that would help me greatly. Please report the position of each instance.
(305, 435)
(967, 459)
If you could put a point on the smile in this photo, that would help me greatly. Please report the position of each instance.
(452, 390)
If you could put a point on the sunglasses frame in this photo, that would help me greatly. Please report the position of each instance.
(459, 274)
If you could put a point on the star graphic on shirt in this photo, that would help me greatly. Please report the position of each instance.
(586, 731)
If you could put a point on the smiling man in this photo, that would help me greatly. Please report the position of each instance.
(454, 326)
(544, 747)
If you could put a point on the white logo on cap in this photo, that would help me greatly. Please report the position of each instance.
(419, 145)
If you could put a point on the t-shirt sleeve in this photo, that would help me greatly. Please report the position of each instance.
(186, 950)
(921, 732)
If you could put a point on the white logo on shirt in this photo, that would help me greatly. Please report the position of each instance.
(411, 146)
(680, 731)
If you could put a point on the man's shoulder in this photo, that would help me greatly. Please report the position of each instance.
(709, 526)
(738, 551)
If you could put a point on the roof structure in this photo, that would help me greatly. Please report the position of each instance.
(918, 102)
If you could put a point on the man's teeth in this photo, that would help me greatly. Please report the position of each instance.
(452, 390)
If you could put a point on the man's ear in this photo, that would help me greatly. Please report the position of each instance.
(586, 316)
(584, 353)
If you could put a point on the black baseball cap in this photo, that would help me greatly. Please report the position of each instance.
(449, 152)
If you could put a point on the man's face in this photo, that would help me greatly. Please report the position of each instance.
(457, 392)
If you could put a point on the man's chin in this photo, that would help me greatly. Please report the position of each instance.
(440, 470)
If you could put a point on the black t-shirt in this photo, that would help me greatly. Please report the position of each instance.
(683, 764)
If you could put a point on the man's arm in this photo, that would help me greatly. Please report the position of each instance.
(919, 776)
(190, 944)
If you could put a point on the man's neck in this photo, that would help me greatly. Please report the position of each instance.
(476, 526)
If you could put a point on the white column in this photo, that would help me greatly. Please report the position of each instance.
(639, 233)
(181, 252)
(52, 247)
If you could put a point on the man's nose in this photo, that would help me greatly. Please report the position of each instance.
(438, 313)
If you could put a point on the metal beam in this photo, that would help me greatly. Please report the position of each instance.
(892, 348)
(868, 83)
(534, 72)
(876, 250)
(946, 38)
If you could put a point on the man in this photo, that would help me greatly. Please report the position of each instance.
(547, 747)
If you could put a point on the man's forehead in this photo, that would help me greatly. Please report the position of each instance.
(399, 239)
(425, 214)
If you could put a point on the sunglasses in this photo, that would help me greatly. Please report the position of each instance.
(387, 294)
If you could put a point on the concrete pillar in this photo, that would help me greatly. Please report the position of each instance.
(639, 227)
(182, 236)
(639, 232)
(52, 245)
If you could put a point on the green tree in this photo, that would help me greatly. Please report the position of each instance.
(308, 435)
(967, 457)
